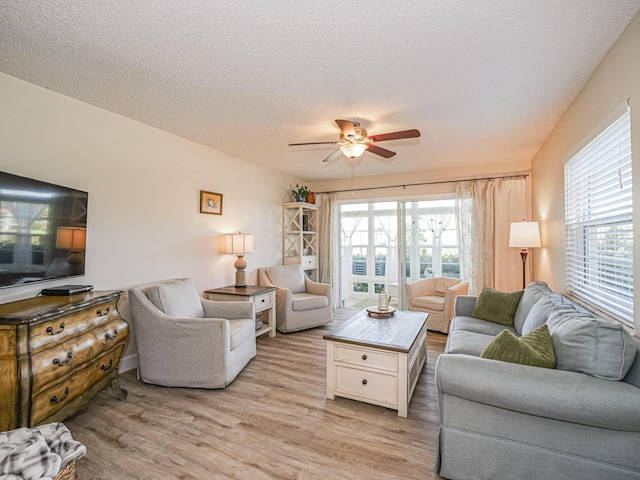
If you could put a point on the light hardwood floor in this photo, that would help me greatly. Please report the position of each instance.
(272, 422)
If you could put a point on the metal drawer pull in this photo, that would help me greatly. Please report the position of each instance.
(364, 382)
(108, 336)
(107, 367)
(55, 398)
(60, 363)
(364, 357)
(106, 312)
(51, 332)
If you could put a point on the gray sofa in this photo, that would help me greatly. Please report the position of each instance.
(501, 420)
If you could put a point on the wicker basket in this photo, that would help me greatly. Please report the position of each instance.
(68, 472)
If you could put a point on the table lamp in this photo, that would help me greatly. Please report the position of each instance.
(524, 235)
(239, 244)
(73, 239)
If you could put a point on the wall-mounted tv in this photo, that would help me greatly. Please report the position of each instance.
(42, 230)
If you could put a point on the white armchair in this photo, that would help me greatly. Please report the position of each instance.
(300, 302)
(184, 340)
(435, 296)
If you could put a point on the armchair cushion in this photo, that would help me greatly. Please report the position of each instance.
(177, 299)
(308, 301)
(444, 283)
(290, 278)
(432, 302)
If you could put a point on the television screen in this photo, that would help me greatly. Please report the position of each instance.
(42, 230)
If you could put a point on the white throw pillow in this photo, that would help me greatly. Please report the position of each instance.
(289, 276)
(180, 299)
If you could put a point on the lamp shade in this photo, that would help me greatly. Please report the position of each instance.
(71, 238)
(239, 243)
(353, 150)
(524, 235)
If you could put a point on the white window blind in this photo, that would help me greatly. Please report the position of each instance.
(598, 221)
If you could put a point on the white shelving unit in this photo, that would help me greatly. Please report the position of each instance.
(300, 237)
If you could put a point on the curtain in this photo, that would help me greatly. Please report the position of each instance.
(328, 244)
(484, 232)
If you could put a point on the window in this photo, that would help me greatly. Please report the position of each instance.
(598, 221)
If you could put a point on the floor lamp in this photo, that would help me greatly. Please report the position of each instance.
(524, 235)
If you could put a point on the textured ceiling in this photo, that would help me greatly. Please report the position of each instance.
(484, 81)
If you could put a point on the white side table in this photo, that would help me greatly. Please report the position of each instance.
(264, 299)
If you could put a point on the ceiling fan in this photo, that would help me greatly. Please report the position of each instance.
(354, 140)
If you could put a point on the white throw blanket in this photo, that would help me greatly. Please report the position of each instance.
(37, 453)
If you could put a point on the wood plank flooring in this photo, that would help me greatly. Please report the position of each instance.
(272, 422)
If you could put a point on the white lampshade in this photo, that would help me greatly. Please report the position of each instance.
(353, 150)
(524, 235)
(239, 243)
(71, 238)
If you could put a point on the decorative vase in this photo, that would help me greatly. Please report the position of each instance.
(300, 197)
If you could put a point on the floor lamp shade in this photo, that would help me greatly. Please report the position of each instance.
(524, 235)
(239, 244)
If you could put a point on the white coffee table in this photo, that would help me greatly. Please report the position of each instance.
(377, 360)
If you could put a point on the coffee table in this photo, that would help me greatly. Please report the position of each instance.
(377, 360)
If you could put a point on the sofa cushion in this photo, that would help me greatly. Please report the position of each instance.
(589, 344)
(542, 310)
(467, 343)
(443, 284)
(290, 277)
(307, 301)
(535, 348)
(432, 302)
(498, 307)
(532, 293)
(472, 324)
(177, 299)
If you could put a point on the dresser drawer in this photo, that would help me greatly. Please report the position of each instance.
(367, 384)
(60, 394)
(53, 331)
(49, 364)
(262, 301)
(366, 357)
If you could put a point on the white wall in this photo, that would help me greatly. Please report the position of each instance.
(144, 189)
(614, 80)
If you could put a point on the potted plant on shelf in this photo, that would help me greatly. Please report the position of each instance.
(300, 193)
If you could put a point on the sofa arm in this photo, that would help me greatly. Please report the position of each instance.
(549, 393)
(464, 305)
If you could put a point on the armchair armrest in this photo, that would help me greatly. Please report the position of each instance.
(317, 288)
(537, 391)
(450, 296)
(228, 310)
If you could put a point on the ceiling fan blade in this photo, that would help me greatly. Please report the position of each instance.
(383, 152)
(394, 135)
(347, 127)
(333, 156)
(312, 143)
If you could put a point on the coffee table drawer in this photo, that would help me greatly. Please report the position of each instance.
(367, 357)
(367, 384)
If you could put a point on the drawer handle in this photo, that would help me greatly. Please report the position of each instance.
(60, 363)
(364, 382)
(107, 367)
(106, 312)
(364, 357)
(108, 336)
(55, 398)
(57, 332)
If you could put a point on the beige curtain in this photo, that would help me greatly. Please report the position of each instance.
(328, 244)
(487, 258)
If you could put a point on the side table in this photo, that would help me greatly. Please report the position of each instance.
(264, 299)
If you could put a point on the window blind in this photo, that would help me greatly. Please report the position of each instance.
(598, 221)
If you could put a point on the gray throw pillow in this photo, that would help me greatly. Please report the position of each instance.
(542, 310)
(532, 293)
(589, 344)
(495, 306)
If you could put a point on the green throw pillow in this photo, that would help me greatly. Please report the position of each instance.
(534, 348)
(497, 307)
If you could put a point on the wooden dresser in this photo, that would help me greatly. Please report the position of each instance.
(56, 354)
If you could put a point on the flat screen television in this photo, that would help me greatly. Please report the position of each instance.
(43, 230)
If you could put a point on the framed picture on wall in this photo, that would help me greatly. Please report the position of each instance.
(211, 203)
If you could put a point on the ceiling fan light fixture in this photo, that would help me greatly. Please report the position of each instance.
(353, 150)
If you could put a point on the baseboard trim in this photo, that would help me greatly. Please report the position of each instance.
(128, 363)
